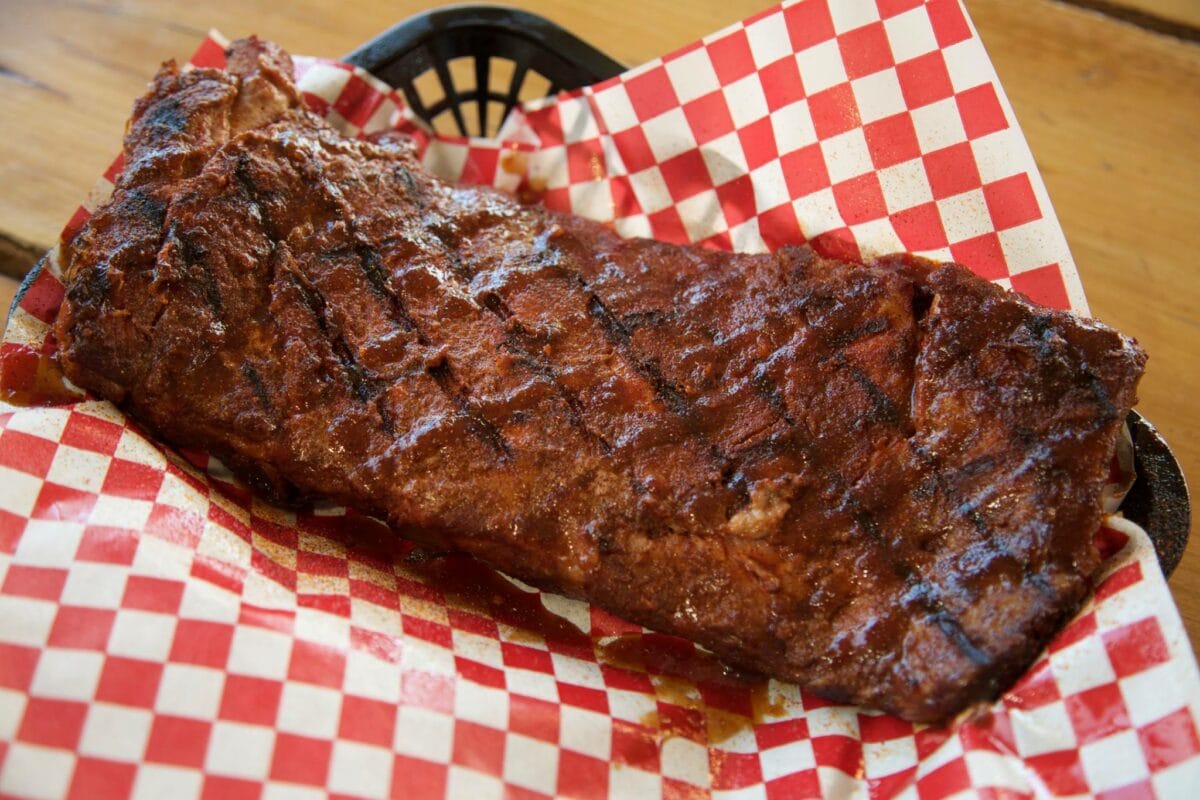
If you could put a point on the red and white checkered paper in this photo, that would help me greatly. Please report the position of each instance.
(165, 633)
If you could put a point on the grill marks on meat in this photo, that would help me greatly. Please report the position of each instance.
(878, 480)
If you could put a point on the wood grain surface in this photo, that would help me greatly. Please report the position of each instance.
(1107, 91)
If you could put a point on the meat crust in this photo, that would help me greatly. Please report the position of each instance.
(879, 480)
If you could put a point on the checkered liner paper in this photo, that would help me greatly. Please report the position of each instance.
(165, 633)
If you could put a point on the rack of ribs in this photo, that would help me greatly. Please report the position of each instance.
(881, 481)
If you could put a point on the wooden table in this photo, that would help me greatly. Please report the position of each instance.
(1110, 102)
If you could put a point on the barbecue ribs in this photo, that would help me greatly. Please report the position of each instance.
(881, 481)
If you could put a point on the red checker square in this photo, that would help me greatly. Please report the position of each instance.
(1135, 647)
(250, 699)
(583, 697)
(315, 104)
(731, 57)
(557, 199)
(357, 101)
(106, 545)
(952, 170)
(982, 255)
(892, 140)
(75, 223)
(31, 454)
(865, 50)
(804, 171)
(129, 681)
(480, 166)
(115, 169)
(920, 227)
(537, 719)
(737, 200)
(284, 576)
(478, 746)
(945, 781)
(201, 642)
(625, 202)
(175, 525)
(606, 624)
(1036, 688)
(883, 727)
(1078, 630)
(426, 690)
(90, 433)
(1045, 285)
(673, 789)
(929, 740)
(685, 175)
(1123, 578)
(1061, 771)
(414, 777)
(1011, 202)
(758, 142)
(860, 199)
(808, 23)
(1170, 740)
(130, 479)
(634, 746)
(980, 110)
(178, 740)
(220, 573)
(1097, 712)
(480, 673)
(779, 226)
(98, 777)
(315, 663)
(841, 752)
(43, 297)
(365, 590)
(43, 583)
(895, 783)
(781, 83)
(301, 759)
(687, 723)
(797, 784)
(208, 54)
(626, 679)
(366, 720)
(651, 93)
(586, 162)
(718, 241)
(734, 770)
(56, 502)
(152, 594)
(332, 604)
(834, 111)
(530, 658)
(11, 528)
(839, 244)
(708, 117)
(321, 564)
(1130, 791)
(634, 149)
(512, 792)
(890, 8)
(949, 24)
(775, 734)
(84, 628)
(666, 226)
(54, 723)
(17, 664)
(581, 776)
(924, 80)
(218, 787)
(472, 623)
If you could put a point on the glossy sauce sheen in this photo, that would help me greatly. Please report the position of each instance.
(880, 480)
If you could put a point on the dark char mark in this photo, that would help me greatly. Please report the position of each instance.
(195, 260)
(480, 425)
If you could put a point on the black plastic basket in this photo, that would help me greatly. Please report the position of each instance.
(500, 51)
